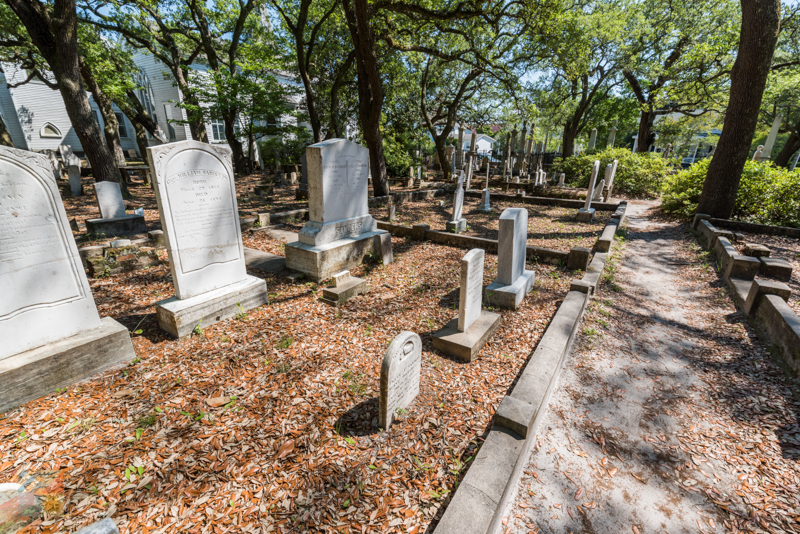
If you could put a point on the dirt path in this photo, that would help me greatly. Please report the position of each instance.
(670, 415)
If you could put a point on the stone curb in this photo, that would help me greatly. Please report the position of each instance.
(492, 481)
(548, 201)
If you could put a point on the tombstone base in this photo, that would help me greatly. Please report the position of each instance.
(468, 344)
(456, 226)
(38, 372)
(301, 194)
(318, 234)
(585, 215)
(127, 225)
(323, 261)
(181, 317)
(510, 296)
(339, 295)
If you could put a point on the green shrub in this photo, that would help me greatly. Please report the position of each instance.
(397, 159)
(767, 194)
(638, 175)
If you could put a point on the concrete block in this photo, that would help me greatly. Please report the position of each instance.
(581, 285)
(515, 415)
(320, 262)
(606, 238)
(585, 216)
(468, 344)
(699, 217)
(724, 251)
(595, 269)
(38, 372)
(761, 288)
(469, 512)
(106, 526)
(756, 250)
(510, 296)
(578, 258)
(782, 325)
(456, 226)
(264, 220)
(777, 268)
(742, 267)
(383, 243)
(418, 231)
(342, 293)
(127, 225)
(180, 317)
(246, 223)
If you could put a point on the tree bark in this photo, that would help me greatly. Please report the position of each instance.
(5, 136)
(241, 163)
(141, 138)
(370, 89)
(761, 21)
(646, 135)
(55, 35)
(335, 125)
(789, 149)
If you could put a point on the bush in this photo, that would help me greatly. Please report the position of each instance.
(767, 194)
(397, 159)
(288, 148)
(638, 175)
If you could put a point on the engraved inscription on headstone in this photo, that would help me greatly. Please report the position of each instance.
(469, 302)
(45, 295)
(400, 373)
(197, 204)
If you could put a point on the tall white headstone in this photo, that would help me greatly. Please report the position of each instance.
(458, 223)
(513, 282)
(469, 300)
(593, 139)
(612, 134)
(109, 199)
(586, 213)
(400, 374)
(766, 155)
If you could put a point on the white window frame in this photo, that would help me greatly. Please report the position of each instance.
(217, 130)
(43, 133)
(121, 128)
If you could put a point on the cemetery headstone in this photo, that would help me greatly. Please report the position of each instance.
(55, 163)
(759, 151)
(586, 213)
(485, 205)
(465, 335)
(610, 182)
(597, 194)
(66, 152)
(561, 179)
(196, 198)
(113, 220)
(766, 154)
(51, 331)
(340, 231)
(400, 375)
(458, 223)
(345, 287)
(74, 174)
(390, 212)
(612, 133)
(592, 138)
(109, 199)
(513, 282)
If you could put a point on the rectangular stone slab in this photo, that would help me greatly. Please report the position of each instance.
(126, 225)
(323, 261)
(196, 198)
(511, 245)
(510, 296)
(180, 317)
(344, 292)
(44, 294)
(40, 371)
(469, 299)
(109, 200)
(466, 345)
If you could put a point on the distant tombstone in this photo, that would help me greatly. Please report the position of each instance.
(597, 194)
(465, 336)
(390, 212)
(593, 139)
(586, 213)
(75, 186)
(293, 178)
(458, 224)
(513, 282)
(485, 205)
(400, 375)
(561, 179)
(109, 199)
(610, 182)
(196, 197)
(757, 155)
(55, 163)
(468, 182)
(612, 134)
(46, 300)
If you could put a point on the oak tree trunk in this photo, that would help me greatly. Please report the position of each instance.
(54, 32)
(758, 35)
(646, 135)
(241, 163)
(789, 149)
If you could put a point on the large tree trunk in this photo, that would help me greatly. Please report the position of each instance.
(370, 90)
(55, 35)
(568, 144)
(646, 135)
(241, 163)
(441, 149)
(789, 149)
(335, 125)
(5, 136)
(760, 24)
(141, 138)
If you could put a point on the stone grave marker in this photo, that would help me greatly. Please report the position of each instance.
(485, 205)
(458, 223)
(113, 220)
(400, 374)
(513, 282)
(109, 199)
(345, 287)
(74, 175)
(612, 133)
(593, 139)
(465, 336)
(586, 213)
(196, 197)
(610, 182)
(561, 179)
(51, 331)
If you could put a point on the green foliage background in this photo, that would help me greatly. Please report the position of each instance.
(767, 194)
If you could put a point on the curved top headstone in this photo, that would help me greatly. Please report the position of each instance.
(400, 373)
(45, 294)
(196, 198)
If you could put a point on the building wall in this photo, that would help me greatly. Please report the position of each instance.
(165, 95)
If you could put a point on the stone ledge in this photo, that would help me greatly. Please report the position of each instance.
(323, 261)
(468, 344)
(128, 225)
(782, 326)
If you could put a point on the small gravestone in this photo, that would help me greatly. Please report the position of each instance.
(113, 219)
(561, 179)
(586, 213)
(465, 336)
(52, 335)
(609, 187)
(757, 155)
(513, 282)
(74, 174)
(592, 138)
(597, 195)
(458, 223)
(301, 193)
(400, 373)
(485, 206)
(345, 287)
(390, 212)
(196, 198)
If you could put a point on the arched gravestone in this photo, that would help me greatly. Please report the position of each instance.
(196, 198)
(50, 330)
(400, 373)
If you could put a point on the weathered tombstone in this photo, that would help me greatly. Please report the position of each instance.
(458, 223)
(55, 163)
(390, 212)
(469, 174)
(612, 133)
(766, 155)
(113, 219)
(586, 213)
(196, 198)
(561, 179)
(610, 182)
(513, 282)
(74, 174)
(345, 287)
(51, 331)
(301, 193)
(597, 194)
(757, 155)
(485, 205)
(340, 231)
(465, 336)
(592, 138)
(400, 373)
(293, 178)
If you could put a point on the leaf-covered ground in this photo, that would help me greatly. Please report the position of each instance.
(670, 415)
(267, 422)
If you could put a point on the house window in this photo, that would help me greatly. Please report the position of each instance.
(217, 130)
(49, 130)
(123, 131)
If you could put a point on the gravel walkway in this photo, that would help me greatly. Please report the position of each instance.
(670, 416)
